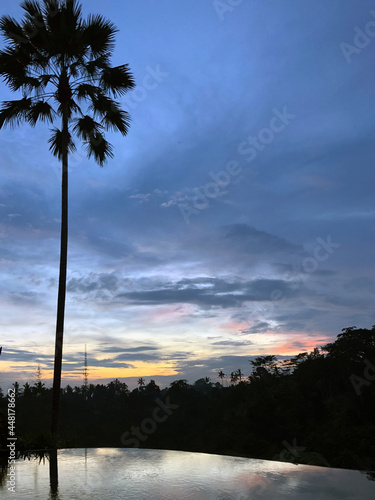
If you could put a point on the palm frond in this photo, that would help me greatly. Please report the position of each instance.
(99, 35)
(117, 120)
(85, 127)
(64, 23)
(33, 10)
(31, 83)
(12, 31)
(12, 68)
(99, 147)
(56, 141)
(73, 12)
(117, 80)
(13, 112)
(51, 10)
(95, 66)
(46, 79)
(101, 104)
(42, 111)
(34, 20)
(72, 107)
(85, 90)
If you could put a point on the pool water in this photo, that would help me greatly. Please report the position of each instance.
(139, 474)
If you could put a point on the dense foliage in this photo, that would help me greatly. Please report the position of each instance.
(317, 408)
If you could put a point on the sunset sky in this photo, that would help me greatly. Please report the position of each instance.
(236, 219)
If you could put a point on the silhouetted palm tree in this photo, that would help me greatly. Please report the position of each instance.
(141, 382)
(221, 376)
(233, 377)
(54, 55)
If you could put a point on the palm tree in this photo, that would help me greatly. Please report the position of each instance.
(234, 377)
(54, 56)
(141, 382)
(221, 376)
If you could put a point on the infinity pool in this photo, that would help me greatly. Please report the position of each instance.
(138, 474)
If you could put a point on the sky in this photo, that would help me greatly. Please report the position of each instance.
(237, 217)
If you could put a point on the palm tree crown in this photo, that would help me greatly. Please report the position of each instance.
(54, 56)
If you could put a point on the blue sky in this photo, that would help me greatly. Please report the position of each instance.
(237, 216)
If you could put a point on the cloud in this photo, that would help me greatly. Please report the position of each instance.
(114, 349)
(234, 343)
(93, 282)
(246, 239)
(261, 326)
(210, 292)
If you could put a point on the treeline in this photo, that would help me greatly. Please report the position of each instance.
(316, 408)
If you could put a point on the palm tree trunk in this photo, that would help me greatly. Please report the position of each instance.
(62, 279)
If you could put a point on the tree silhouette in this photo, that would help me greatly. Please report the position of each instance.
(263, 367)
(141, 382)
(55, 55)
(233, 377)
(38, 385)
(221, 376)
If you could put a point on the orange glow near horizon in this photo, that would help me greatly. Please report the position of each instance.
(141, 369)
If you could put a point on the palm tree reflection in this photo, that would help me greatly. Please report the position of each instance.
(53, 474)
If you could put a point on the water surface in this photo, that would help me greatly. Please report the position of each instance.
(138, 474)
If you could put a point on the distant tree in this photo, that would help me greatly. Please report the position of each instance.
(27, 392)
(234, 377)
(353, 345)
(264, 366)
(141, 382)
(221, 376)
(297, 360)
(39, 386)
(115, 388)
(56, 55)
(152, 389)
(17, 390)
(179, 387)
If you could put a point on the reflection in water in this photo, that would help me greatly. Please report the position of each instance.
(53, 474)
(3, 471)
(120, 473)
